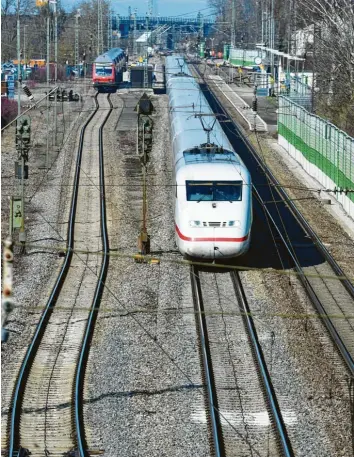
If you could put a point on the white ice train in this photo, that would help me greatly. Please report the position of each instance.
(213, 195)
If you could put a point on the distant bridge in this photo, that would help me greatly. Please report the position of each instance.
(126, 24)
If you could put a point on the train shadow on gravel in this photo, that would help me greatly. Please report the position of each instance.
(267, 249)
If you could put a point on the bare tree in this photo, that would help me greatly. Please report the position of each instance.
(333, 57)
(246, 20)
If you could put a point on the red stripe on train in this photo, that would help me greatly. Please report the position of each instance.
(230, 240)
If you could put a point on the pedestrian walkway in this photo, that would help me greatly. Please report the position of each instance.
(242, 97)
(267, 107)
(254, 121)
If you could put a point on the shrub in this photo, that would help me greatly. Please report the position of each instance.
(30, 83)
(8, 111)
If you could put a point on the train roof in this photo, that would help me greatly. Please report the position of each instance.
(189, 110)
(176, 65)
(209, 155)
(109, 56)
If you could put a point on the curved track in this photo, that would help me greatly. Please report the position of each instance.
(238, 383)
(48, 391)
(332, 299)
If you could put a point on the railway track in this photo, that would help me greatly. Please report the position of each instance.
(244, 414)
(332, 299)
(46, 410)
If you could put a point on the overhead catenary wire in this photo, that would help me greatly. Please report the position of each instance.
(130, 312)
(151, 258)
(320, 190)
(317, 190)
(268, 184)
(270, 187)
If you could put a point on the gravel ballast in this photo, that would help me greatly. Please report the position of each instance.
(310, 381)
(143, 386)
(47, 197)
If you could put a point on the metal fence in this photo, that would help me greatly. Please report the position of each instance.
(325, 152)
(300, 92)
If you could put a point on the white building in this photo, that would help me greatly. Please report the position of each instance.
(300, 39)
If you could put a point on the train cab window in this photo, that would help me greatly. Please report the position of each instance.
(214, 191)
(228, 191)
(199, 190)
(103, 71)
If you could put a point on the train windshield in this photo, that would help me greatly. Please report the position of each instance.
(102, 70)
(218, 191)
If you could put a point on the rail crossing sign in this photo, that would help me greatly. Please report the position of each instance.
(17, 212)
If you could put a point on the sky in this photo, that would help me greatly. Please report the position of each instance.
(164, 7)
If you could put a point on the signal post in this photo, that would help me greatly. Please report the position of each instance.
(23, 139)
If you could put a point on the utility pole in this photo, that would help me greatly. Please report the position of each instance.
(99, 28)
(174, 36)
(316, 39)
(109, 27)
(48, 78)
(233, 24)
(134, 34)
(24, 45)
(144, 145)
(55, 69)
(23, 139)
(201, 25)
(272, 40)
(18, 60)
(146, 69)
(151, 8)
(118, 29)
(22, 235)
(77, 57)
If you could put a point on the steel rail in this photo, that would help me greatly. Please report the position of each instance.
(17, 397)
(300, 218)
(294, 210)
(261, 364)
(81, 366)
(207, 364)
(312, 294)
(317, 242)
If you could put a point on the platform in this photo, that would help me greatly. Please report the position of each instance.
(254, 121)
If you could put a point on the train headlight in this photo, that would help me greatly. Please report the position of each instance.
(234, 224)
(195, 223)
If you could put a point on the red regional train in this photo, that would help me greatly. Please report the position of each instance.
(107, 72)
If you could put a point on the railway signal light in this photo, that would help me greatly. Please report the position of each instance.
(19, 128)
(23, 133)
(26, 135)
